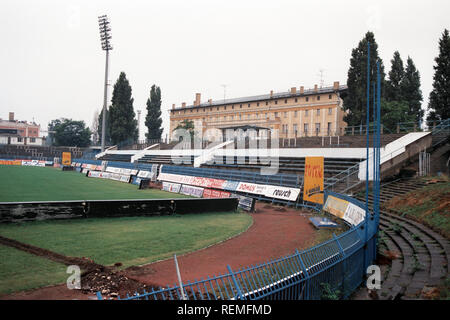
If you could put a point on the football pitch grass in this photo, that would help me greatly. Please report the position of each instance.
(128, 240)
(20, 183)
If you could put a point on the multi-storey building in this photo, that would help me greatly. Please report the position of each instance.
(295, 113)
(19, 132)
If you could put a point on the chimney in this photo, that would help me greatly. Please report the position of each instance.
(197, 99)
(210, 101)
(271, 93)
(183, 105)
(315, 88)
(293, 90)
(302, 90)
(173, 106)
(336, 85)
(11, 116)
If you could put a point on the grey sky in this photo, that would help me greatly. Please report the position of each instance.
(52, 64)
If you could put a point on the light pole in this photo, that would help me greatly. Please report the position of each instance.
(105, 37)
(139, 123)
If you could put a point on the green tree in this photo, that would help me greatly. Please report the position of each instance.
(122, 122)
(187, 125)
(393, 112)
(396, 75)
(355, 100)
(439, 103)
(153, 119)
(71, 133)
(410, 90)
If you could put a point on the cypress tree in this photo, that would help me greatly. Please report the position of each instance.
(410, 91)
(393, 90)
(439, 104)
(356, 99)
(122, 122)
(153, 119)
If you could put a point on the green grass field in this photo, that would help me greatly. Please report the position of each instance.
(129, 240)
(19, 183)
(22, 271)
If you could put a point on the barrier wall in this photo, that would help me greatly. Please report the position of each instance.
(40, 210)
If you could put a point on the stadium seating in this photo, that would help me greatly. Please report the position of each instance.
(285, 164)
(319, 142)
(37, 152)
(116, 157)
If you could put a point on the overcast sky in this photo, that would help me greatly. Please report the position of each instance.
(52, 64)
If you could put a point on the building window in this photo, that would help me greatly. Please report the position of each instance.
(329, 128)
(266, 115)
(307, 99)
(32, 140)
(276, 101)
(305, 128)
(294, 127)
(225, 108)
(317, 129)
(318, 112)
(267, 103)
(318, 97)
(240, 116)
(330, 111)
(257, 104)
(329, 96)
(285, 114)
(248, 116)
(232, 106)
(249, 105)
(295, 114)
(285, 101)
(306, 113)
(276, 114)
(296, 99)
(232, 117)
(19, 139)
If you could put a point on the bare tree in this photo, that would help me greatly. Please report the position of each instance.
(94, 128)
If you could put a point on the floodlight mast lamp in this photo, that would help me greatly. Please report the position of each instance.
(105, 37)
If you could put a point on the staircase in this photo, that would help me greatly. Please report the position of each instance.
(423, 255)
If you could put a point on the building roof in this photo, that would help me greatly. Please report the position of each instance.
(262, 97)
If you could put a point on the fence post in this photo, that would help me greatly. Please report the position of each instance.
(344, 267)
(235, 283)
(307, 277)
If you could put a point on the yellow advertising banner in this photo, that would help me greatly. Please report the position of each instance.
(336, 206)
(11, 162)
(66, 159)
(313, 180)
